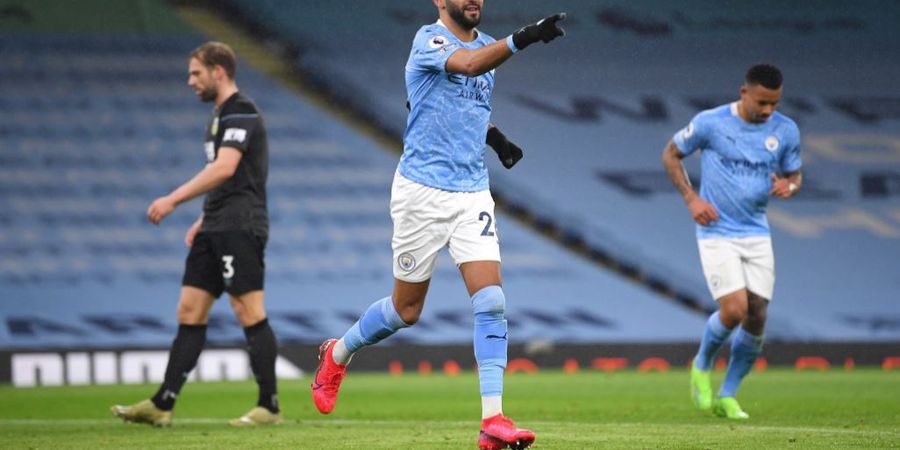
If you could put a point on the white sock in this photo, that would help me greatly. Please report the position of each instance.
(340, 354)
(491, 406)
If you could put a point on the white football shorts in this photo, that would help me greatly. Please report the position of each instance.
(730, 264)
(427, 219)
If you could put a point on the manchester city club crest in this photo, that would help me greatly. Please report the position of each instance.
(407, 262)
(715, 281)
(771, 143)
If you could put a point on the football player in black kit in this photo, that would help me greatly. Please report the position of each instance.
(227, 242)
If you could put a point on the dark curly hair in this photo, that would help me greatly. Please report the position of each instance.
(766, 75)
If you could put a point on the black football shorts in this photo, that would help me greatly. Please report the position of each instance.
(226, 261)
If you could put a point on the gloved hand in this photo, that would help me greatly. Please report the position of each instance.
(508, 152)
(544, 30)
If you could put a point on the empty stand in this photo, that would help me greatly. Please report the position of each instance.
(594, 110)
(97, 126)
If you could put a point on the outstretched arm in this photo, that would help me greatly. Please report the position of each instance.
(476, 62)
(214, 174)
(472, 63)
(702, 211)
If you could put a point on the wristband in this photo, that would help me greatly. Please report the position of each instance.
(511, 44)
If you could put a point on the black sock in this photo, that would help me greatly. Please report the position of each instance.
(263, 350)
(182, 358)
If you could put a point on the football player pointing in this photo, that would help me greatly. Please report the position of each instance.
(440, 198)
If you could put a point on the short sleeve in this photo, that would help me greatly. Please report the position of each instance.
(692, 137)
(432, 48)
(790, 158)
(238, 124)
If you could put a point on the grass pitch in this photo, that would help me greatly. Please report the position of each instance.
(788, 409)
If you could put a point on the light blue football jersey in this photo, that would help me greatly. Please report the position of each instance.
(737, 162)
(443, 145)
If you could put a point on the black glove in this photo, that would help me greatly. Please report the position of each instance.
(544, 30)
(508, 152)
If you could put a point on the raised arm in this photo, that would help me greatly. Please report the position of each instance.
(476, 62)
(472, 63)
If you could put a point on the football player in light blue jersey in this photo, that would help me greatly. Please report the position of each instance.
(749, 152)
(440, 198)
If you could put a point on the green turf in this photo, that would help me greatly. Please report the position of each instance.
(836, 409)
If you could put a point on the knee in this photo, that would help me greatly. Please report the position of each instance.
(489, 301)
(756, 320)
(408, 305)
(758, 317)
(410, 313)
(732, 314)
(190, 314)
(245, 314)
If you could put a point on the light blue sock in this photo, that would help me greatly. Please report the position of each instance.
(745, 347)
(714, 335)
(489, 304)
(378, 322)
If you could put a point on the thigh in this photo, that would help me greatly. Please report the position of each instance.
(202, 269)
(194, 305)
(475, 236)
(722, 267)
(759, 266)
(757, 313)
(241, 259)
(422, 222)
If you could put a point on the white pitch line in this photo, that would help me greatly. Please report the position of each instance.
(532, 423)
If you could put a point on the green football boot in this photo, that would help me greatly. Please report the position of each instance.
(701, 388)
(143, 412)
(729, 407)
(256, 417)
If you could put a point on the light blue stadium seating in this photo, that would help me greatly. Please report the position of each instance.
(594, 110)
(95, 127)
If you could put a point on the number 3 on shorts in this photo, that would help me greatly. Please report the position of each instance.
(229, 269)
(487, 227)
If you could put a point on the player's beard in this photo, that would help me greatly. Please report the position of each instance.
(208, 94)
(459, 16)
(760, 118)
(756, 116)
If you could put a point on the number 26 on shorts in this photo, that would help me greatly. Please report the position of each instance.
(486, 216)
